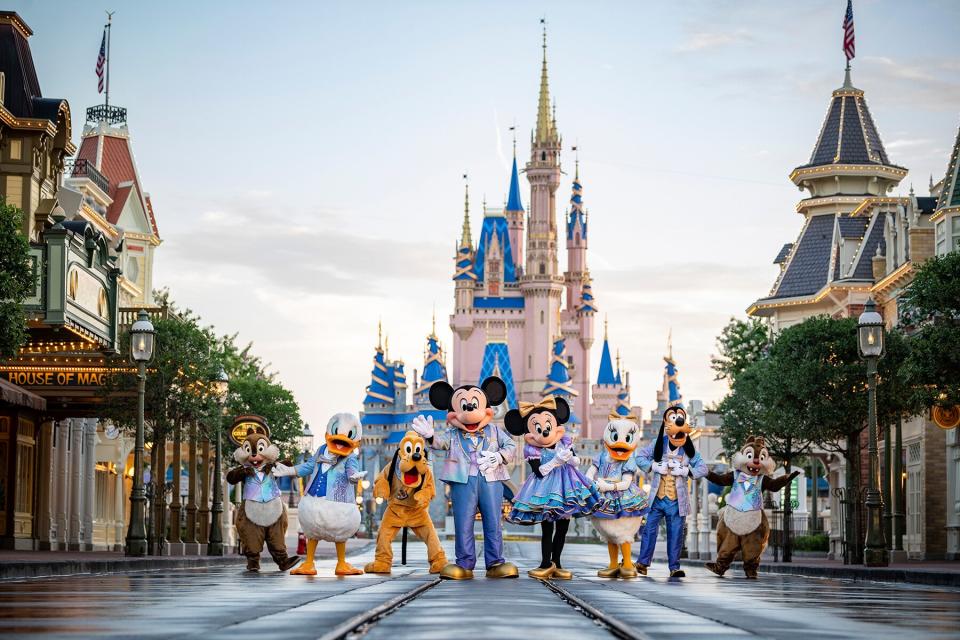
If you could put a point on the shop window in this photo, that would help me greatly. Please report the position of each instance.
(16, 149)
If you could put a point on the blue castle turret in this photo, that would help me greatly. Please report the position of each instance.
(558, 379)
(434, 369)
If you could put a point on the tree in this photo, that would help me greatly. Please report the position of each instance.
(17, 280)
(741, 343)
(930, 311)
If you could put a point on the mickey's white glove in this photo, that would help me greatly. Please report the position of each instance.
(603, 486)
(660, 467)
(424, 426)
(489, 460)
(280, 470)
(680, 470)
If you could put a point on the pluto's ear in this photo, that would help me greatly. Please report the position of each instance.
(495, 390)
(514, 423)
(441, 394)
(563, 410)
(658, 447)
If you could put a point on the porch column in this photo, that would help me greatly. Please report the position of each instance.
(693, 526)
(75, 538)
(191, 531)
(89, 481)
(203, 521)
(62, 483)
(706, 532)
(45, 460)
(174, 535)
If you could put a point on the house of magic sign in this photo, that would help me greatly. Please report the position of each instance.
(65, 377)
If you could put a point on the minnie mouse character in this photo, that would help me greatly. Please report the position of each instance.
(555, 491)
(672, 458)
(475, 467)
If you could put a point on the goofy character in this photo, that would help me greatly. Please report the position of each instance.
(672, 458)
(475, 468)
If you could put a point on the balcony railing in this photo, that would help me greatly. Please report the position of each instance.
(128, 315)
(82, 168)
(107, 113)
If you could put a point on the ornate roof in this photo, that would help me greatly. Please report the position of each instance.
(558, 378)
(848, 134)
(434, 369)
(546, 132)
(495, 233)
(783, 253)
(464, 258)
(587, 303)
(623, 402)
(381, 387)
(809, 266)
(576, 217)
(513, 198)
(606, 375)
(671, 383)
(950, 191)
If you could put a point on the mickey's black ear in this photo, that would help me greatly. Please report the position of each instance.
(440, 395)
(495, 390)
(563, 410)
(514, 423)
(658, 447)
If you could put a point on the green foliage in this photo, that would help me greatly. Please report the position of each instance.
(741, 343)
(812, 542)
(932, 305)
(17, 280)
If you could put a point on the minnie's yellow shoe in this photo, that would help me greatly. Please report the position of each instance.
(543, 574)
(563, 574)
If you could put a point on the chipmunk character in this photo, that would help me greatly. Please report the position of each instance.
(743, 524)
(672, 458)
(555, 491)
(262, 516)
(475, 467)
(622, 502)
(328, 510)
(408, 486)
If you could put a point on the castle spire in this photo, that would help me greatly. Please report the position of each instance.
(606, 375)
(465, 239)
(545, 120)
(513, 199)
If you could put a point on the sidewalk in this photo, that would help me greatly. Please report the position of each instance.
(33, 564)
(941, 574)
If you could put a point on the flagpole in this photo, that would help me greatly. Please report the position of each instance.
(109, 30)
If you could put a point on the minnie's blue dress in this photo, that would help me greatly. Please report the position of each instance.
(561, 494)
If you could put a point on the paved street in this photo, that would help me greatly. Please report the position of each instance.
(225, 602)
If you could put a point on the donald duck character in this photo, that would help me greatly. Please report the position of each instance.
(475, 455)
(672, 458)
(328, 510)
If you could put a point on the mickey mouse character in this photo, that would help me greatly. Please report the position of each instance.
(743, 524)
(475, 467)
(555, 491)
(262, 516)
(669, 485)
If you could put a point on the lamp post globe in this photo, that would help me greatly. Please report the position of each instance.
(870, 341)
(220, 385)
(142, 335)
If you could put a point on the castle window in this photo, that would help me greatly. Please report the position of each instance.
(543, 268)
(543, 155)
(541, 317)
(530, 360)
(16, 149)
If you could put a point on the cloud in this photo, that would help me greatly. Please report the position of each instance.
(705, 40)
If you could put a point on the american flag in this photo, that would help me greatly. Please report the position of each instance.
(848, 46)
(101, 61)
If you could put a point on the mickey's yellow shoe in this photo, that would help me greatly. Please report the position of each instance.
(455, 572)
(504, 570)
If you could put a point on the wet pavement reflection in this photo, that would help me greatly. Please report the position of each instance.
(227, 602)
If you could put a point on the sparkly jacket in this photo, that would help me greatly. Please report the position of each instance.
(461, 458)
(331, 476)
(698, 469)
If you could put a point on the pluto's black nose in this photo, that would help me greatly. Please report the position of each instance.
(417, 457)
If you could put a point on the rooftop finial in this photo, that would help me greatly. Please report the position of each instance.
(606, 321)
(847, 83)
(379, 333)
(433, 326)
(576, 162)
(931, 184)
(670, 343)
(466, 239)
(545, 131)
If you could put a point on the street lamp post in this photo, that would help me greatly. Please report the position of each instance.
(221, 386)
(141, 351)
(870, 335)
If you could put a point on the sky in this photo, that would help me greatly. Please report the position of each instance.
(305, 159)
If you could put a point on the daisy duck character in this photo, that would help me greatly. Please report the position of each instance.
(622, 502)
(475, 455)
(555, 490)
(328, 510)
(672, 458)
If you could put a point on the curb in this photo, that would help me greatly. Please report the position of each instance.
(847, 572)
(14, 570)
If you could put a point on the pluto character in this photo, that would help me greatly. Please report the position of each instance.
(407, 485)
(262, 516)
(743, 524)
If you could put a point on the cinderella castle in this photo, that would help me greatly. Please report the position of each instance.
(516, 314)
